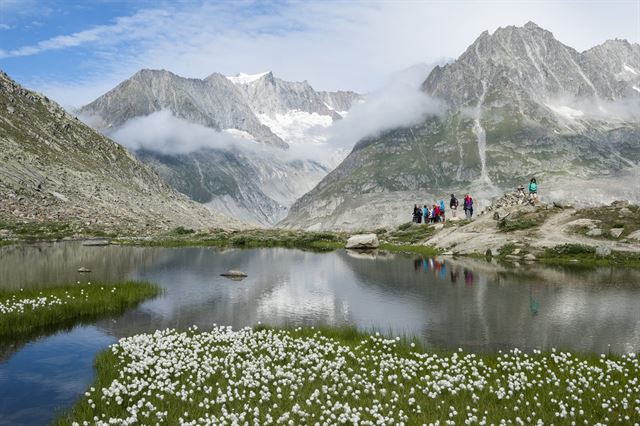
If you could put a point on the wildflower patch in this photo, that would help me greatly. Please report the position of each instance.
(309, 376)
(30, 312)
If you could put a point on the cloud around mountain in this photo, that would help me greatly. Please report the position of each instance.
(400, 103)
(164, 133)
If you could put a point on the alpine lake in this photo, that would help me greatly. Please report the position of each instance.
(447, 303)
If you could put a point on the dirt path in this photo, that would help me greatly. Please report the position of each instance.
(555, 232)
(483, 234)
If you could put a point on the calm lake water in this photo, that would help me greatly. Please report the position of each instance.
(447, 303)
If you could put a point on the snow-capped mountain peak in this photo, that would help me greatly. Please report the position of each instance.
(242, 78)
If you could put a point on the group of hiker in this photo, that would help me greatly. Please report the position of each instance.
(436, 213)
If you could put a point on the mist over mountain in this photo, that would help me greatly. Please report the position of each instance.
(248, 145)
(516, 103)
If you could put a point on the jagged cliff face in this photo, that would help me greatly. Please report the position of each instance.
(213, 102)
(257, 185)
(55, 168)
(518, 103)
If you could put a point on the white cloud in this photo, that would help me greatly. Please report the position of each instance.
(400, 103)
(164, 133)
(346, 45)
(5, 27)
(627, 109)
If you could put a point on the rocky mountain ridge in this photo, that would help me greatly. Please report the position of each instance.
(54, 168)
(257, 185)
(517, 103)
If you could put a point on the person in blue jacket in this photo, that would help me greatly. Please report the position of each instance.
(533, 190)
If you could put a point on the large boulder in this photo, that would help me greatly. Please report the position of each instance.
(363, 241)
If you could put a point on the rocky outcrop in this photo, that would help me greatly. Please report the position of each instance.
(54, 168)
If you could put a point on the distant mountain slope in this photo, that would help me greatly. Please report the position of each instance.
(55, 168)
(213, 102)
(257, 185)
(517, 103)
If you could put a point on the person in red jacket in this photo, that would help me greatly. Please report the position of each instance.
(436, 213)
(468, 206)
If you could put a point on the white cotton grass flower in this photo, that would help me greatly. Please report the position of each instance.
(301, 376)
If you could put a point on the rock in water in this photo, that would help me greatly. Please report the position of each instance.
(96, 243)
(603, 251)
(232, 273)
(363, 241)
(84, 270)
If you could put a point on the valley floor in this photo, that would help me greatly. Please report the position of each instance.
(546, 233)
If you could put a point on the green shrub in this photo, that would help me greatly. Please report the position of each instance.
(516, 225)
(181, 230)
(572, 250)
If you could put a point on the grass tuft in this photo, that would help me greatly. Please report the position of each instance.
(29, 313)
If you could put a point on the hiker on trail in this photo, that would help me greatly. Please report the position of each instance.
(425, 214)
(416, 213)
(533, 190)
(468, 206)
(442, 210)
(453, 204)
(436, 213)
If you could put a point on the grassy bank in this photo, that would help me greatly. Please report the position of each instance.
(578, 254)
(307, 376)
(253, 238)
(50, 231)
(26, 313)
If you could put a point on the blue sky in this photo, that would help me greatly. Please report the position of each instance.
(76, 50)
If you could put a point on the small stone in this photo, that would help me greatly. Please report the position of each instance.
(616, 232)
(529, 257)
(516, 251)
(84, 270)
(634, 236)
(603, 251)
(595, 232)
(234, 273)
(96, 243)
